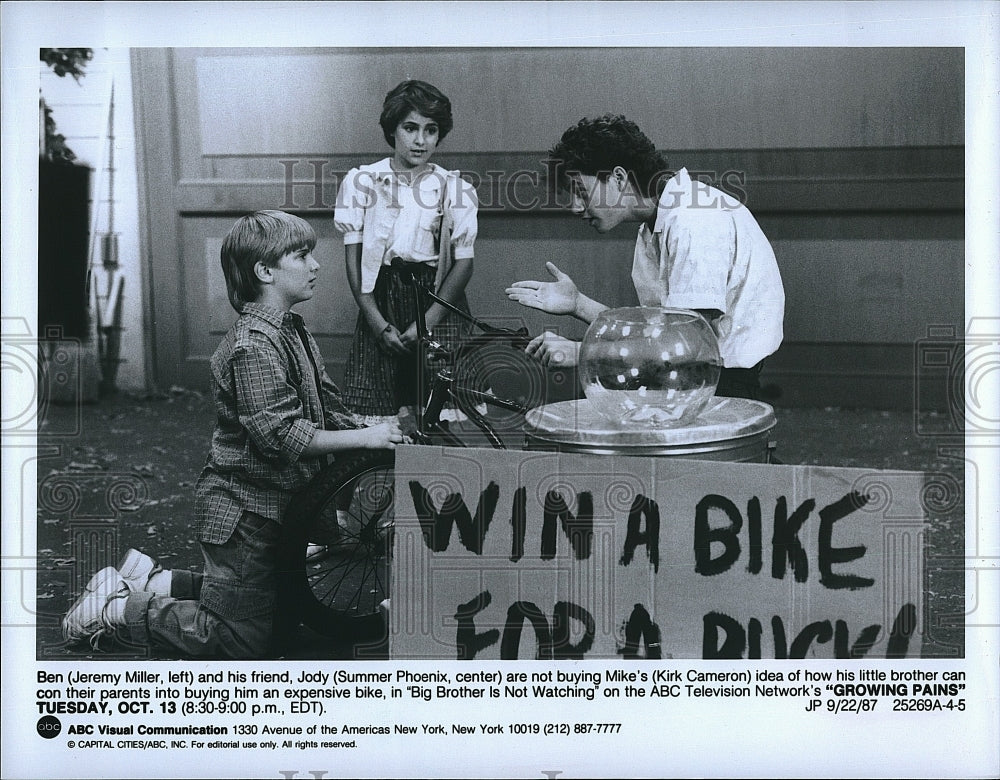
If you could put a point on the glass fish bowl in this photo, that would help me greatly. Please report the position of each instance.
(649, 367)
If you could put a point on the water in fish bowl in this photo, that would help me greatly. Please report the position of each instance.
(649, 367)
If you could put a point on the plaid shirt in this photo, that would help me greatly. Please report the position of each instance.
(271, 395)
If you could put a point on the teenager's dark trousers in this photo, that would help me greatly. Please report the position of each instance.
(740, 382)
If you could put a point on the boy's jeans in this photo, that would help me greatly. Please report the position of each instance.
(228, 611)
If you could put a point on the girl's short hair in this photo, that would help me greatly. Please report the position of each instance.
(418, 96)
(596, 146)
(261, 237)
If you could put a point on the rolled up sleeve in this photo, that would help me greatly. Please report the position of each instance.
(696, 259)
(355, 195)
(465, 220)
(268, 405)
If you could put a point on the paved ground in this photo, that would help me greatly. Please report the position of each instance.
(123, 471)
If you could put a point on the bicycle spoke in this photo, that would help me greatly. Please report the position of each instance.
(356, 595)
(328, 582)
(353, 577)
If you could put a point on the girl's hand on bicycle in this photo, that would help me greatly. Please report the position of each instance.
(558, 297)
(409, 336)
(390, 339)
(384, 436)
(555, 351)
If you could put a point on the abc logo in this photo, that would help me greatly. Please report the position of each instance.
(48, 726)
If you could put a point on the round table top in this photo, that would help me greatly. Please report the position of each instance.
(578, 422)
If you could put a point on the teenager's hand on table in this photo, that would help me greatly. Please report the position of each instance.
(390, 339)
(558, 297)
(384, 436)
(554, 351)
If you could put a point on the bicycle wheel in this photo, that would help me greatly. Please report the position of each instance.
(334, 557)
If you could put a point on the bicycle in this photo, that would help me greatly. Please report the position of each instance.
(347, 509)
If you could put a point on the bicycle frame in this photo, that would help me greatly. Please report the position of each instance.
(340, 592)
(443, 386)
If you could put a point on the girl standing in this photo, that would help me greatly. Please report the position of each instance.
(406, 208)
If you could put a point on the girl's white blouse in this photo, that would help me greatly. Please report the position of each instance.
(390, 218)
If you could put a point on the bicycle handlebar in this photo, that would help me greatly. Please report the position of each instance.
(518, 338)
(443, 386)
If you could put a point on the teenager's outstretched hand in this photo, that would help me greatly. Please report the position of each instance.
(558, 297)
(554, 351)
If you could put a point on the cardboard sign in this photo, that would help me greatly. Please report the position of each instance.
(518, 555)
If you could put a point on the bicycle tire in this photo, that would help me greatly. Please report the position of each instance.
(338, 594)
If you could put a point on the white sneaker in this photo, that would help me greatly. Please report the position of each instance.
(100, 609)
(138, 570)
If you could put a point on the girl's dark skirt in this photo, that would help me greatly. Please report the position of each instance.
(379, 382)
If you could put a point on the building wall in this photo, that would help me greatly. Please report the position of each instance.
(852, 160)
(81, 112)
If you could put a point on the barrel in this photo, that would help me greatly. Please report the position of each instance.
(729, 429)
